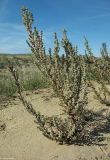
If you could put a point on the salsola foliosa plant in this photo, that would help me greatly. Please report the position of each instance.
(105, 64)
(67, 75)
(66, 72)
(91, 61)
(62, 130)
(98, 69)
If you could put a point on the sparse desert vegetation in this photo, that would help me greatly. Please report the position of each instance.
(30, 77)
(67, 95)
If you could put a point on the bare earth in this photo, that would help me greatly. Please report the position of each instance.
(21, 140)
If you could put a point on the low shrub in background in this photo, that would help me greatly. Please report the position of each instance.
(7, 86)
(30, 79)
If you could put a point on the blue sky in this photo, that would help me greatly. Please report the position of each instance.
(90, 18)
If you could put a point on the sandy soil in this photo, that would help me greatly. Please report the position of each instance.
(21, 140)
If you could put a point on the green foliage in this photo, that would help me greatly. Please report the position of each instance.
(2, 65)
(30, 80)
(7, 86)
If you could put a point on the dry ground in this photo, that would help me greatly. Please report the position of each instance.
(20, 139)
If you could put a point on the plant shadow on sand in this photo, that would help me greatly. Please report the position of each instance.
(98, 124)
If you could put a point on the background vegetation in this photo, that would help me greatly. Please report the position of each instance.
(30, 77)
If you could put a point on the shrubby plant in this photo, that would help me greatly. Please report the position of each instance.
(98, 69)
(67, 75)
(63, 130)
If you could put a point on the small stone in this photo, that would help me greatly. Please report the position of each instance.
(2, 126)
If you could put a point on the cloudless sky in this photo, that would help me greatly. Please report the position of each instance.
(90, 18)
